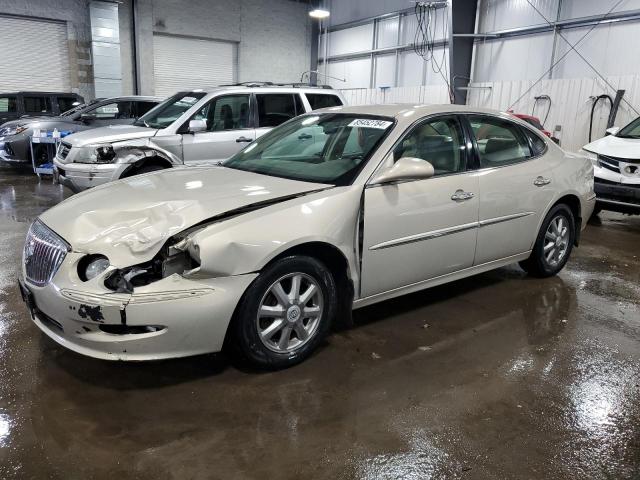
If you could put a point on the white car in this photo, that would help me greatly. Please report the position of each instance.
(196, 127)
(616, 160)
(269, 249)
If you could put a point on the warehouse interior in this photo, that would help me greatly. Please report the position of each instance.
(496, 375)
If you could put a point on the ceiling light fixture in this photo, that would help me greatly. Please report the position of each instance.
(319, 13)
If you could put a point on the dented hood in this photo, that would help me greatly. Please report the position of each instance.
(129, 220)
(113, 133)
(612, 146)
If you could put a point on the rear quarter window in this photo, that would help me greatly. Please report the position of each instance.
(323, 100)
(8, 104)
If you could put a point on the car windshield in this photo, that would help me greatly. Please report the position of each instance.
(325, 148)
(170, 110)
(80, 107)
(630, 131)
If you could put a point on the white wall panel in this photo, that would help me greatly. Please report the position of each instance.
(526, 57)
(351, 40)
(585, 8)
(612, 49)
(505, 14)
(438, 68)
(388, 32)
(385, 70)
(410, 70)
(344, 11)
(430, 94)
(357, 73)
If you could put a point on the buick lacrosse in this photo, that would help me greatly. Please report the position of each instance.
(329, 212)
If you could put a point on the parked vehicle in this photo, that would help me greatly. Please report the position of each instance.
(189, 128)
(533, 121)
(270, 248)
(616, 162)
(15, 135)
(20, 104)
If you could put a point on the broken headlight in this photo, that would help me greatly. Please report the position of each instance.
(100, 153)
(170, 260)
(591, 156)
(91, 266)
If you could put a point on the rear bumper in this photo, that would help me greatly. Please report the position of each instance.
(174, 317)
(82, 176)
(620, 197)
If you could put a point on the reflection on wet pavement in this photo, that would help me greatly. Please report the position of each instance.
(496, 376)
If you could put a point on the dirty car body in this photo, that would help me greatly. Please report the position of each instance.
(178, 257)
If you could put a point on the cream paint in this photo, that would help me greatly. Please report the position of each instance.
(129, 221)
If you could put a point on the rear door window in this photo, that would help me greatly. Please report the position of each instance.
(538, 145)
(37, 104)
(275, 108)
(8, 104)
(323, 100)
(500, 142)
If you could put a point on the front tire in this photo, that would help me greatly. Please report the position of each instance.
(553, 245)
(285, 313)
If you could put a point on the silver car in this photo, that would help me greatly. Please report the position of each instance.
(190, 128)
(270, 248)
(15, 135)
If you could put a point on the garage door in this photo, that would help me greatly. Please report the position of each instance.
(183, 63)
(35, 55)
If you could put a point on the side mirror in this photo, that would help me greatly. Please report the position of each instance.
(196, 126)
(407, 168)
(87, 117)
(612, 130)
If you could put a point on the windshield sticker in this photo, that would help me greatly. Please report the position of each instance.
(370, 123)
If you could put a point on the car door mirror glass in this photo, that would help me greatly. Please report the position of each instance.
(406, 168)
(196, 126)
(612, 130)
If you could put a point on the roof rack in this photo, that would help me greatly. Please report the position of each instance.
(272, 84)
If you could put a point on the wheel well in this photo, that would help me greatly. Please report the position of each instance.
(573, 202)
(145, 162)
(338, 265)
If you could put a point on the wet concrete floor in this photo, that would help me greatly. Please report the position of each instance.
(495, 377)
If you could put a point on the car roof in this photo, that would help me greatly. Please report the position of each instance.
(403, 110)
(29, 92)
(266, 86)
(132, 98)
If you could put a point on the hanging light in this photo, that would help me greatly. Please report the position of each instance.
(319, 13)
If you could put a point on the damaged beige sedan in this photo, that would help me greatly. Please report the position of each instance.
(329, 212)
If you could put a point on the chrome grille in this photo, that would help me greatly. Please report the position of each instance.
(63, 150)
(44, 252)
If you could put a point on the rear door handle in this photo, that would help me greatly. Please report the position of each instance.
(541, 181)
(243, 139)
(461, 196)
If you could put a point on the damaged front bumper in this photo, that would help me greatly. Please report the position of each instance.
(82, 176)
(173, 317)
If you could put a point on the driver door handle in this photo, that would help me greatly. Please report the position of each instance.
(243, 139)
(541, 181)
(461, 196)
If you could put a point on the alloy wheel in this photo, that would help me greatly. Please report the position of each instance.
(290, 312)
(556, 241)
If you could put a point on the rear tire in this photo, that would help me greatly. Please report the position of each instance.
(553, 245)
(285, 313)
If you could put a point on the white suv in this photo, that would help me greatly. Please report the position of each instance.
(190, 128)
